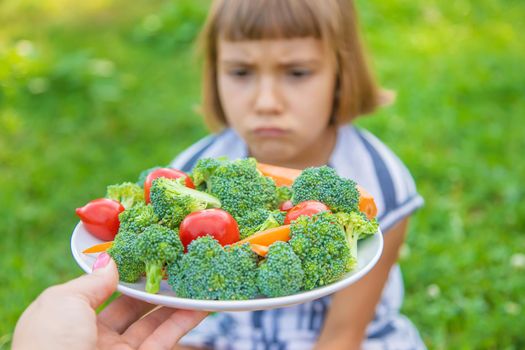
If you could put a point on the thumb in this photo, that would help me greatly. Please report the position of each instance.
(98, 286)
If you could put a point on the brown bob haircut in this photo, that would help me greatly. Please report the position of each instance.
(334, 22)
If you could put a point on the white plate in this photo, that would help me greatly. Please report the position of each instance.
(368, 253)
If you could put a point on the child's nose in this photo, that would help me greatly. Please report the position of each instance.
(268, 101)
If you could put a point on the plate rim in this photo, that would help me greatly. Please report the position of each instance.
(234, 305)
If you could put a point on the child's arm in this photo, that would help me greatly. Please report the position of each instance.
(353, 308)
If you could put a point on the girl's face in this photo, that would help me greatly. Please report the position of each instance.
(278, 95)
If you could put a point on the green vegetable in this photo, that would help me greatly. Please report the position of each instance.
(319, 251)
(279, 216)
(238, 184)
(144, 174)
(357, 226)
(137, 218)
(320, 242)
(127, 193)
(258, 220)
(204, 168)
(324, 185)
(129, 266)
(284, 193)
(172, 201)
(281, 272)
(156, 247)
(209, 271)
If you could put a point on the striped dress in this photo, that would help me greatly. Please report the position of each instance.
(357, 155)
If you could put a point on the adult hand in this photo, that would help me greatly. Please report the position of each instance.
(64, 317)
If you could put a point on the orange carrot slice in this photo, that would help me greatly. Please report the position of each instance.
(259, 249)
(367, 205)
(282, 176)
(98, 248)
(267, 237)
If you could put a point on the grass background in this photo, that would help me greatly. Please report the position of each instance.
(91, 93)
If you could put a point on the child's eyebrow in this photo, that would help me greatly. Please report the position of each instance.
(299, 62)
(283, 63)
(235, 62)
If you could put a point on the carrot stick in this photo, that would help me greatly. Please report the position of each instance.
(98, 248)
(286, 176)
(282, 176)
(259, 249)
(367, 204)
(267, 237)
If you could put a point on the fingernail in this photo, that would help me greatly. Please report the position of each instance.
(102, 260)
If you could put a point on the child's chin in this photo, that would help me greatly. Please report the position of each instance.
(271, 152)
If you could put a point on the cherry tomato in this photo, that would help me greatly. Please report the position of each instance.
(307, 208)
(214, 222)
(285, 206)
(100, 217)
(169, 173)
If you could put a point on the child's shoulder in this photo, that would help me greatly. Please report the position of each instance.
(226, 143)
(362, 156)
(359, 148)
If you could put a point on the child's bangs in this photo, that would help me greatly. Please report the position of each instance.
(267, 19)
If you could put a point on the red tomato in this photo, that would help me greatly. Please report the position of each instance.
(214, 222)
(169, 173)
(307, 208)
(285, 206)
(100, 217)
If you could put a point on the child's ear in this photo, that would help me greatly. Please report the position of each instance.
(386, 97)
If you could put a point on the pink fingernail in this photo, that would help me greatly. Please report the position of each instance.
(102, 260)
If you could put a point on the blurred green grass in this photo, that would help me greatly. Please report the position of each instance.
(92, 93)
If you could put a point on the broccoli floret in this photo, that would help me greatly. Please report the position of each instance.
(320, 242)
(137, 218)
(281, 272)
(284, 193)
(127, 193)
(241, 272)
(241, 187)
(204, 168)
(357, 226)
(129, 266)
(144, 174)
(279, 216)
(257, 220)
(156, 247)
(324, 185)
(192, 276)
(209, 271)
(172, 201)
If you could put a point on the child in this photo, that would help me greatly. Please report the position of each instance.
(282, 79)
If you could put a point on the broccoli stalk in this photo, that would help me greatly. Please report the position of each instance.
(258, 220)
(357, 226)
(156, 247)
(172, 201)
(127, 193)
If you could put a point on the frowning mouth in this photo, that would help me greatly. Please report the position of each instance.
(270, 132)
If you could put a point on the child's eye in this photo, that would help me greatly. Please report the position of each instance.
(239, 72)
(298, 73)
